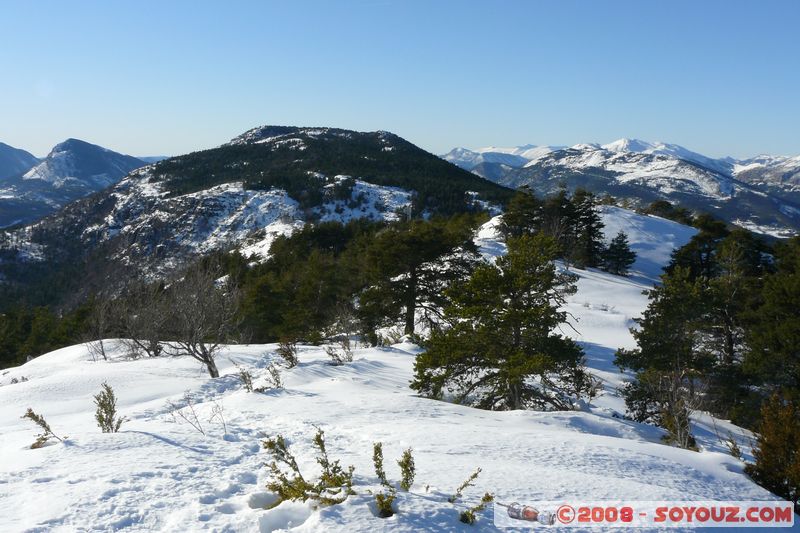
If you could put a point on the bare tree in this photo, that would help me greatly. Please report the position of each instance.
(144, 314)
(204, 315)
(99, 325)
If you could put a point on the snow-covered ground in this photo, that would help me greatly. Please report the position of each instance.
(157, 474)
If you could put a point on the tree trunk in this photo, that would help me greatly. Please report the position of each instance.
(411, 302)
(212, 367)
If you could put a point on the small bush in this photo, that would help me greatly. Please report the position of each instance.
(471, 515)
(467, 483)
(287, 350)
(377, 460)
(334, 485)
(275, 376)
(383, 502)
(407, 470)
(46, 434)
(246, 377)
(106, 412)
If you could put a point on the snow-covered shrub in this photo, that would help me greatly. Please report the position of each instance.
(333, 486)
(106, 412)
(407, 470)
(246, 377)
(46, 433)
(287, 350)
(470, 515)
(341, 352)
(383, 502)
(275, 376)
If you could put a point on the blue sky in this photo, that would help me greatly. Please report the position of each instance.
(167, 77)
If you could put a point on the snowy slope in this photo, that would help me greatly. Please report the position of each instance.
(157, 474)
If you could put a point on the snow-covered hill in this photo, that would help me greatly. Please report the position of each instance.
(14, 161)
(158, 474)
(72, 170)
(761, 194)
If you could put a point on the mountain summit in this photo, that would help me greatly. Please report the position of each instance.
(73, 169)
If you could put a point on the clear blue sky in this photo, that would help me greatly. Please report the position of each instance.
(166, 77)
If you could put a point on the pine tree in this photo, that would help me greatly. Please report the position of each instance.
(777, 450)
(588, 250)
(618, 256)
(410, 266)
(669, 363)
(522, 215)
(501, 351)
(774, 333)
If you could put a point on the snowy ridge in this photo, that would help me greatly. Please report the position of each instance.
(760, 193)
(167, 476)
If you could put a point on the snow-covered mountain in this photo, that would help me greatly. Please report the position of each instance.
(73, 169)
(14, 161)
(762, 193)
(264, 183)
(160, 474)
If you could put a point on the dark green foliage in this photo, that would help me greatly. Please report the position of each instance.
(377, 461)
(29, 332)
(777, 450)
(407, 470)
(523, 214)
(106, 412)
(669, 362)
(502, 336)
(333, 486)
(46, 433)
(406, 273)
(308, 278)
(618, 256)
(774, 332)
(665, 209)
(440, 187)
(587, 250)
(698, 254)
(385, 504)
(471, 515)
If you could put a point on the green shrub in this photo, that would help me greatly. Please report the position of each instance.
(46, 434)
(106, 412)
(334, 485)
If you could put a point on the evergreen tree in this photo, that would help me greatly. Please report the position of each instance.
(777, 450)
(698, 254)
(522, 215)
(589, 245)
(500, 351)
(669, 363)
(411, 264)
(618, 256)
(774, 334)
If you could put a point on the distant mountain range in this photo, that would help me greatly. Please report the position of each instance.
(31, 188)
(761, 193)
(262, 184)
